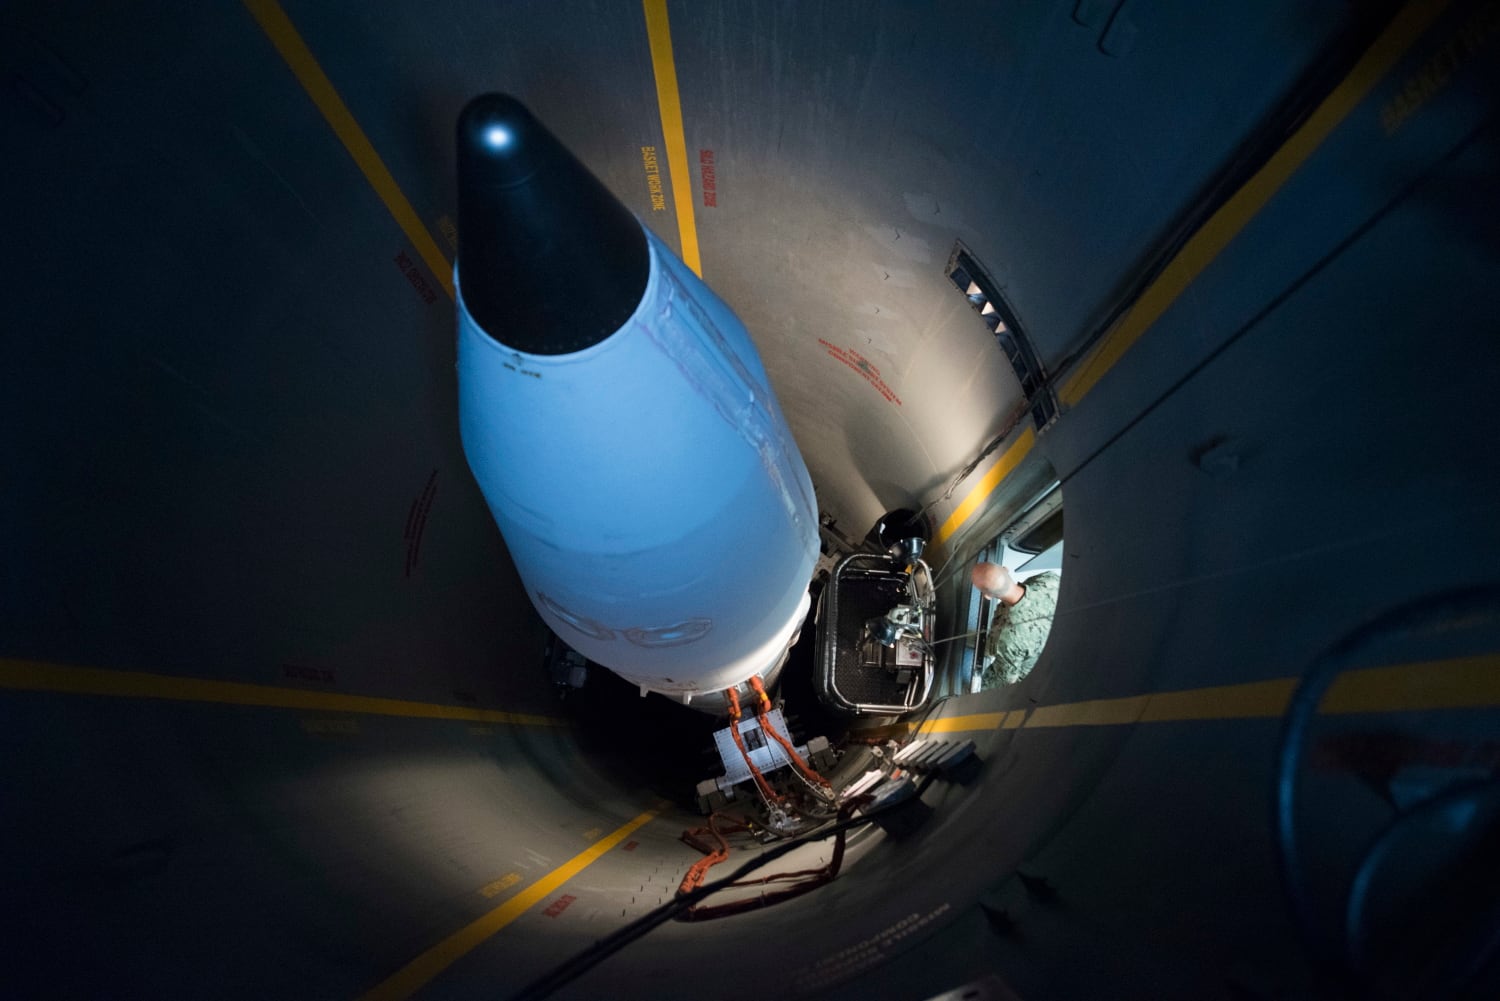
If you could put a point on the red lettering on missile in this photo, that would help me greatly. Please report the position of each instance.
(861, 364)
(559, 905)
(414, 276)
(710, 178)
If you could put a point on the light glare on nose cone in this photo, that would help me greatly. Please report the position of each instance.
(497, 137)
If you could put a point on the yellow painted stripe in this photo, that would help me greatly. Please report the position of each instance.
(660, 34)
(1225, 224)
(1470, 683)
(1254, 699)
(957, 724)
(420, 971)
(279, 29)
(1463, 683)
(37, 676)
(1095, 712)
(1011, 720)
(1233, 215)
(1008, 461)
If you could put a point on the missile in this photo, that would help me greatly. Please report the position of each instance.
(620, 424)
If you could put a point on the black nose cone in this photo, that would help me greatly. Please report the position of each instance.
(500, 144)
(549, 261)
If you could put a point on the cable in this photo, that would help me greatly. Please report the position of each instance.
(762, 708)
(927, 715)
(766, 791)
(1266, 138)
(824, 798)
(817, 783)
(612, 943)
(929, 644)
(1249, 157)
(1280, 298)
(693, 878)
(1012, 421)
(806, 880)
(809, 879)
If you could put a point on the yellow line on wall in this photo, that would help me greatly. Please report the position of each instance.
(1469, 683)
(660, 34)
(1251, 700)
(280, 30)
(420, 971)
(958, 724)
(1225, 224)
(1094, 712)
(1462, 683)
(38, 676)
(1009, 460)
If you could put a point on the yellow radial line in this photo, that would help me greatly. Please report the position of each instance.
(1468, 683)
(1462, 683)
(419, 972)
(959, 724)
(280, 30)
(39, 676)
(660, 34)
(1225, 224)
(1009, 460)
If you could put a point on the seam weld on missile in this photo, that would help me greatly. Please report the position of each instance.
(724, 390)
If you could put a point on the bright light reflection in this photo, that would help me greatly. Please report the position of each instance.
(497, 137)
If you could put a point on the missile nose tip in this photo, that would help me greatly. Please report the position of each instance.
(499, 140)
(549, 260)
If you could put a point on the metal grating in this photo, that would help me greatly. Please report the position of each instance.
(862, 599)
(767, 755)
(984, 295)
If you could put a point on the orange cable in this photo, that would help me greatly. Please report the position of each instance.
(693, 878)
(734, 732)
(802, 766)
(808, 879)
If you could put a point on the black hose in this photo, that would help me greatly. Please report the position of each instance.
(581, 962)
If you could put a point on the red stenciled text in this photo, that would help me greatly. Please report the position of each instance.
(861, 364)
(413, 275)
(710, 178)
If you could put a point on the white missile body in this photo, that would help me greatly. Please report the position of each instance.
(647, 487)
